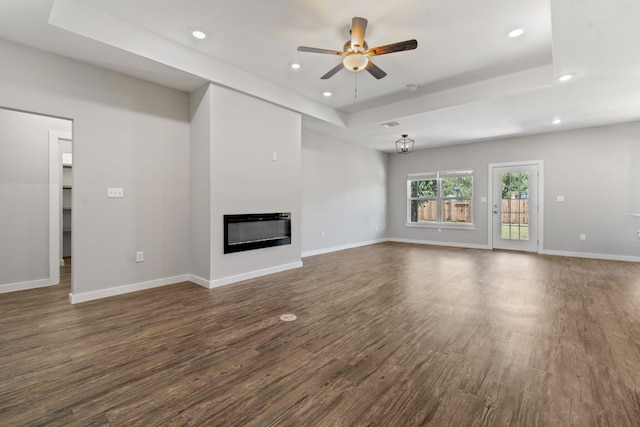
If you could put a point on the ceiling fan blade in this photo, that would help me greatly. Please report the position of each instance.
(375, 71)
(358, 28)
(333, 71)
(394, 47)
(318, 50)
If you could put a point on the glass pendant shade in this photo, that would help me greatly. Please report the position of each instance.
(405, 144)
(355, 62)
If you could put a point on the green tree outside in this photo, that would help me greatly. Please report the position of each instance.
(514, 185)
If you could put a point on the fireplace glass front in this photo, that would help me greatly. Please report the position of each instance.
(254, 231)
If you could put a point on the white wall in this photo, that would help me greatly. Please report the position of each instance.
(127, 133)
(200, 185)
(344, 194)
(245, 132)
(24, 195)
(596, 169)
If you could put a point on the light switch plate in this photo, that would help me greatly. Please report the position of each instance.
(115, 192)
(560, 198)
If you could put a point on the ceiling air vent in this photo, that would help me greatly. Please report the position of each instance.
(390, 124)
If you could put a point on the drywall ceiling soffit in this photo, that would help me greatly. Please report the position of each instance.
(150, 38)
(473, 82)
(25, 22)
(76, 17)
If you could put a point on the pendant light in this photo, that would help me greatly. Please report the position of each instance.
(405, 144)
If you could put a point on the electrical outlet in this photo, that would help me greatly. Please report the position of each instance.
(139, 256)
(115, 192)
(322, 234)
(583, 237)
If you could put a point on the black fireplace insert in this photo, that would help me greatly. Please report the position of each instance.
(254, 231)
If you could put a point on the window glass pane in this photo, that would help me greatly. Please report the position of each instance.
(423, 210)
(424, 189)
(457, 211)
(440, 197)
(457, 186)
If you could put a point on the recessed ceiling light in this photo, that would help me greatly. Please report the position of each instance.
(517, 32)
(295, 66)
(326, 94)
(198, 34)
(556, 121)
(566, 77)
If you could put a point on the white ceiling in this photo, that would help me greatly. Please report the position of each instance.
(474, 82)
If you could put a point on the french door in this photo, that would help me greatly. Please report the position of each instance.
(515, 206)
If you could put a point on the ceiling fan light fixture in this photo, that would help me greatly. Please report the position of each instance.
(356, 52)
(405, 144)
(355, 62)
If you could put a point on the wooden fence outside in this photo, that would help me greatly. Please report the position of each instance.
(452, 211)
(514, 211)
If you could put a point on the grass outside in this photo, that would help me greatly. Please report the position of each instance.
(515, 231)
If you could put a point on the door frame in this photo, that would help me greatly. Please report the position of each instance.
(55, 184)
(540, 164)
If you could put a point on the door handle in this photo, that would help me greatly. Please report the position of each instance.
(495, 211)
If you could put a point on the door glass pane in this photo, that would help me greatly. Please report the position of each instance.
(515, 206)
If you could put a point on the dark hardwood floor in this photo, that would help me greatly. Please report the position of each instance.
(387, 335)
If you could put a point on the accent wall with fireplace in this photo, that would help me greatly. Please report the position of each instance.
(240, 168)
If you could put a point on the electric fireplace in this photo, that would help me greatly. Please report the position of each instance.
(255, 231)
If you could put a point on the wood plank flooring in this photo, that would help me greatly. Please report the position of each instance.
(387, 335)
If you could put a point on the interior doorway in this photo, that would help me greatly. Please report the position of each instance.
(516, 216)
(31, 191)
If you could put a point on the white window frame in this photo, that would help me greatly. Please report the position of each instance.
(438, 176)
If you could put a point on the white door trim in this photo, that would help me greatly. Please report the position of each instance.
(55, 184)
(540, 164)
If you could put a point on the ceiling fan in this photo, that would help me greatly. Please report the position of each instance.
(356, 52)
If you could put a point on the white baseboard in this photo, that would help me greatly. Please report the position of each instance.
(341, 248)
(210, 284)
(119, 290)
(436, 243)
(23, 286)
(607, 257)
(199, 281)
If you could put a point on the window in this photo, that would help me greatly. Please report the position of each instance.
(443, 198)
